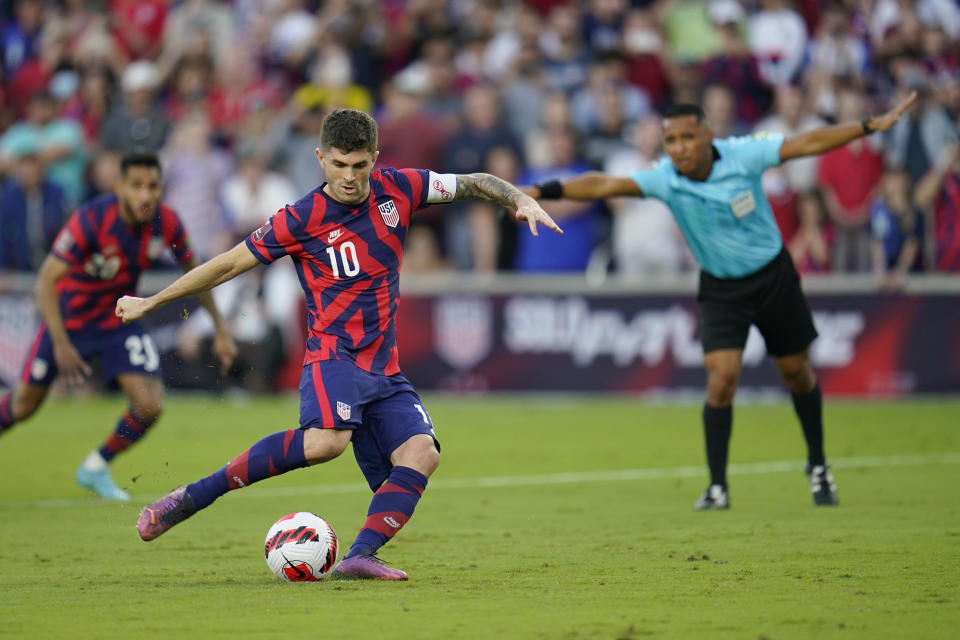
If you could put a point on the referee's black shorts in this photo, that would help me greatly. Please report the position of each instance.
(770, 298)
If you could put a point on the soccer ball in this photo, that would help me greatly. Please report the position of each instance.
(301, 547)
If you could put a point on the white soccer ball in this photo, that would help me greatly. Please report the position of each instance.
(301, 547)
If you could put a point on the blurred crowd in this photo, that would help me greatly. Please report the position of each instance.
(232, 95)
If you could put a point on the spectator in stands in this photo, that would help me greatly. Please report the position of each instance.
(443, 100)
(524, 91)
(21, 36)
(239, 90)
(104, 173)
(138, 27)
(583, 222)
(253, 192)
(32, 208)
(837, 58)
(734, 66)
(923, 133)
(791, 188)
(645, 53)
(688, 32)
(607, 74)
(939, 193)
(719, 104)
(293, 34)
(190, 85)
(59, 141)
(603, 24)
(565, 55)
(89, 105)
(645, 239)
(555, 114)
(778, 39)
(896, 227)
(465, 152)
(138, 121)
(194, 171)
(300, 136)
(213, 19)
(608, 133)
(849, 177)
(408, 136)
(331, 83)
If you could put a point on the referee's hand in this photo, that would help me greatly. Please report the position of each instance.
(887, 120)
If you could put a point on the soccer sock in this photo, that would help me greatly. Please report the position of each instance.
(130, 428)
(6, 412)
(391, 507)
(277, 453)
(717, 426)
(809, 408)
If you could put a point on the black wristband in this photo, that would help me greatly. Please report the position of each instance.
(552, 190)
(865, 123)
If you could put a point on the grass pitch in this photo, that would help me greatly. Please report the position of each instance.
(546, 519)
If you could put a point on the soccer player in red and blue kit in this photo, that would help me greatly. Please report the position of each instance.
(346, 241)
(97, 257)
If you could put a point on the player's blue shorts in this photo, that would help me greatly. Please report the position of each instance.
(126, 349)
(383, 411)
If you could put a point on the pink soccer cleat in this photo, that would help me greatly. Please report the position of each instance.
(171, 509)
(368, 567)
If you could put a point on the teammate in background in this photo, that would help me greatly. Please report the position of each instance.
(97, 257)
(346, 240)
(713, 190)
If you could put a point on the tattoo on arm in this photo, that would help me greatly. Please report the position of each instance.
(487, 187)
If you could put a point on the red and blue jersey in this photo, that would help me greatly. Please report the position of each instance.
(946, 225)
(348, 260)
(107, 255)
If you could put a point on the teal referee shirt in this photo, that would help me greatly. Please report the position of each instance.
(726, 219)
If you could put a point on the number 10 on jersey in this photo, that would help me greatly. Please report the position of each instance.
(348, 257)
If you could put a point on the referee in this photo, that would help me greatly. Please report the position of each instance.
(712, 186)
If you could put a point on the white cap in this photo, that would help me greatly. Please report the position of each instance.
(140, 75)
(414, 78)
(725, 11)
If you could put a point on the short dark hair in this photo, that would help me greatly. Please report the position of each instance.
(140, 158)
(685, 109)
(349, 130)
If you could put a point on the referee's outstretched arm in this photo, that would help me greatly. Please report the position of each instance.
(826, 138)
(592, 185)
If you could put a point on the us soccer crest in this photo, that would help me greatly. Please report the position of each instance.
(343, 410)
(463, 330)
(388, 210)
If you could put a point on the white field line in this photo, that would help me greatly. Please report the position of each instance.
(542, 479)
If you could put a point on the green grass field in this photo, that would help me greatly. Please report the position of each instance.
(546, 519)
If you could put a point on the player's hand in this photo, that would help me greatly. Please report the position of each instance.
(130, 308)
(225, 349)
(70, 366)
(887, 120)
(534, 214)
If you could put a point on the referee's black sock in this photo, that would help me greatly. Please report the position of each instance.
(809, 408)
(717, 426)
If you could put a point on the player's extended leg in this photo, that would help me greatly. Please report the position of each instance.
(808, 403)
(391, 507)
(20, 404)
(723, 374)
(276, 454)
